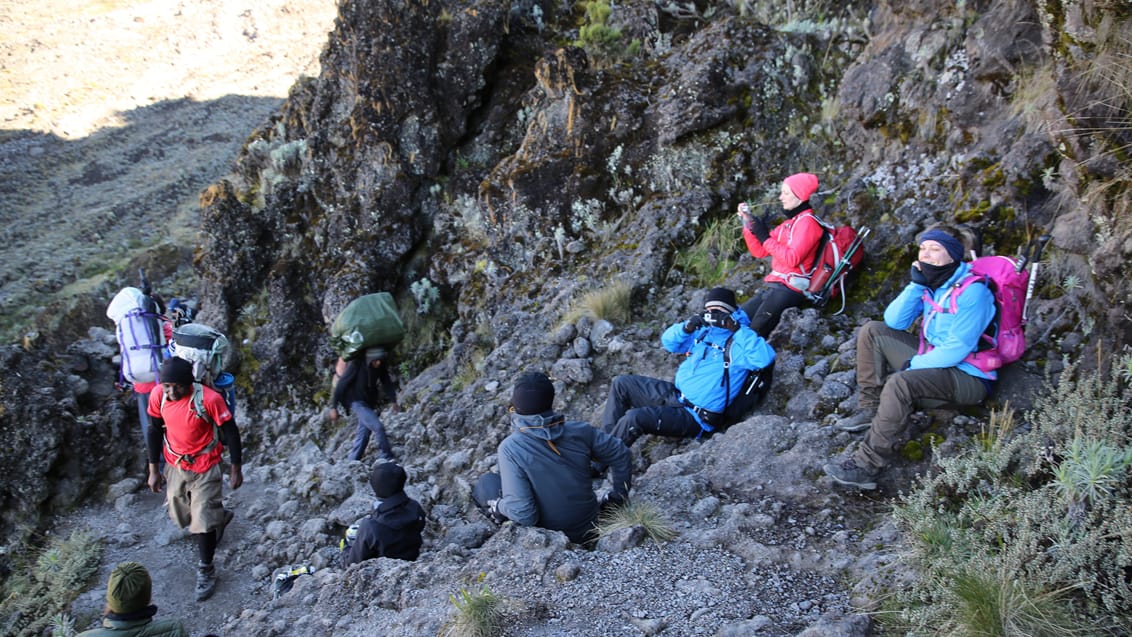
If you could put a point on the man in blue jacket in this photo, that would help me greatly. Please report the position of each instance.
(694, 404)
(896, 374)
(544, 466)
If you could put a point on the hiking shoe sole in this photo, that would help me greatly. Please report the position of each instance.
(864, 484)
(853, 427)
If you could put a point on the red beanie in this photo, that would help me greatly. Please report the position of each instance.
(803, 185)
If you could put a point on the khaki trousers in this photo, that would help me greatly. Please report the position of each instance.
(881, 353)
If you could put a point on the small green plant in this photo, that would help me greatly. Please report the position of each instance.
(612, 303)
(478, 614)
(997, 428)
(992, 605)
(636, 513)
(599, 39)
(714, 255)
(45, 581)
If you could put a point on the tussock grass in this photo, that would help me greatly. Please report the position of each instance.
(478, 614)
(636, 513)
(714, 256)
(612, 303)
(45, 581)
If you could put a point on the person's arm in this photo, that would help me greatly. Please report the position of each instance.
(754, 246)
(749, 350)
(905, 308)
(518, 501)
(676, 340)
(974, 311)
(613, 453)
(365, 545)
(155, 440)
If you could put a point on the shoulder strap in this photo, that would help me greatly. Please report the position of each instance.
(727, 373)
(199, 408)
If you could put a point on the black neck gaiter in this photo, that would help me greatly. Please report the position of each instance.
(937, 275)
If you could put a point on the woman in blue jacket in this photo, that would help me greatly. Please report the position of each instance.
(898, 371)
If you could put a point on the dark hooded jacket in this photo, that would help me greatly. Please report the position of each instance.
(392, 530)
(545, 469)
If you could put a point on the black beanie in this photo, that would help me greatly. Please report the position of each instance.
(533, 394)
(387, 479)
(721, 298)
(178, 371)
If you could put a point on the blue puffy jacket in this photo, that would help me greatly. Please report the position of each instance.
(700, 376)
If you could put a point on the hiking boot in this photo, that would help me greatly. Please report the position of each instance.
(857, 421)
(206, 581)
(849, 474)
(228, 515)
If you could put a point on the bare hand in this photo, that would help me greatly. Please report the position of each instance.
(333, 415)
(235, 477)
(154, 481)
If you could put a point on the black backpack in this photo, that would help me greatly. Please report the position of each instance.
(755, 387)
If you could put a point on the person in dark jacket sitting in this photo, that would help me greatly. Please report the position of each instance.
(394, 528)
(544, 466)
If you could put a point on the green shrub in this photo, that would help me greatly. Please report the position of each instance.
(478, 614)
(45, 581)
(1029, 533)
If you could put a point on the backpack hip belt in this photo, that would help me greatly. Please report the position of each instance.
(794, 280)
(713, 419)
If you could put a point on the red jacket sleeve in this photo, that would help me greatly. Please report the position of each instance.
(753, 245)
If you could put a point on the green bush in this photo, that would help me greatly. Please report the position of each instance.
(715, 255)
(478, 614)
(45, 581)
(1032, 536)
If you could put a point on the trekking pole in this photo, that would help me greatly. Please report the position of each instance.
(843, 262)
(1035, 259)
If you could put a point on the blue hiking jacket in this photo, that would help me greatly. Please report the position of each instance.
(700, 375)
(952, 336)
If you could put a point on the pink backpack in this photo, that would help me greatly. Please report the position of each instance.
(1004, 340)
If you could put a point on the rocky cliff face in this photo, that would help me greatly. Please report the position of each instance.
(474, 161)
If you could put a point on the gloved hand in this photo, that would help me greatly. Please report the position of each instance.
(493, 512)
(917, 275)
(612, 500)
(760, 229)
(695, 322)
(907, 365)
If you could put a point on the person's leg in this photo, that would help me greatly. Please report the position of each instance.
(898, 399)
(773, 300)
(371, 423)
(628, 391)
(361, 435)
(673, 421)
(205, 492)
(881, 350)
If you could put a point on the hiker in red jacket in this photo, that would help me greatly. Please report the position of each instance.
(190, 425)
(792, 247)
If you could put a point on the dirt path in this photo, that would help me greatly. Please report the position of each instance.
(114, 114)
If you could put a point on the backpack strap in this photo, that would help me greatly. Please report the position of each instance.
(950, 297)
(198, 407)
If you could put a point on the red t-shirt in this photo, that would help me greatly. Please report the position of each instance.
(186, 432)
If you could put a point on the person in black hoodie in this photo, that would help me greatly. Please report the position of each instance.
(359, 386)
(394, 528)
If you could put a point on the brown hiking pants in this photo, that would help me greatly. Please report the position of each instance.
(881, 353)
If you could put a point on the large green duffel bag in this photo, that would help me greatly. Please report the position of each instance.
(367, 321)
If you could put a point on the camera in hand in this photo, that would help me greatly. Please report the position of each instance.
(717, 318)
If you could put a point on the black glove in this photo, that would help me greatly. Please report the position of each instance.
(694, 323)
(917, 276)
(907, 365)
(759, 228)
(613, 500)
